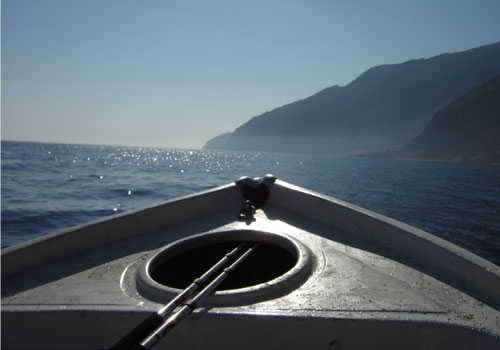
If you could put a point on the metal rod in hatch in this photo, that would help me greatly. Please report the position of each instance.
(153, 321)
(189, 307)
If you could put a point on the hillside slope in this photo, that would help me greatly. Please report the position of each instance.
(468, 129)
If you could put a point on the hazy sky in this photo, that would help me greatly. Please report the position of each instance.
(176, 73)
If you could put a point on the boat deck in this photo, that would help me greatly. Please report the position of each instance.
(359, 293)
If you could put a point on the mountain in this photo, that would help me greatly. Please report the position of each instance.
(382, 109)
(468, 129)
(218, 142)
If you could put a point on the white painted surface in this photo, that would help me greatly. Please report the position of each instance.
(375, 282)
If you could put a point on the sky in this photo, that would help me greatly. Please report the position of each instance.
(177, 73)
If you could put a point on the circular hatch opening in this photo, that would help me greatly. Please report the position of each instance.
(266, 263)
(277, 266)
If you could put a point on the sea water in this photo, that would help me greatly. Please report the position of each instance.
(50, 187)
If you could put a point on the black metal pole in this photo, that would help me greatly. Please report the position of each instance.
(189, 307)
(153, 321)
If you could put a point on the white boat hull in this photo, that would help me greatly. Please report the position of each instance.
(368, 282)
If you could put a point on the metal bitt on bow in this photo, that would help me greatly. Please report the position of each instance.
(256, 192)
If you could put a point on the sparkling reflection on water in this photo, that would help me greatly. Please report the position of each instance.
(49, 187)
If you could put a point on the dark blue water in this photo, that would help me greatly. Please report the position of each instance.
(49, 187)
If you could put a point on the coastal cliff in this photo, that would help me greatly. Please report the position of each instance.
(468, 129)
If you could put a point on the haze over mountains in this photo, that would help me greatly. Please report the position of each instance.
(383, 109)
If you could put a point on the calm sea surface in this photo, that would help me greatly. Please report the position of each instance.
(49, 187)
